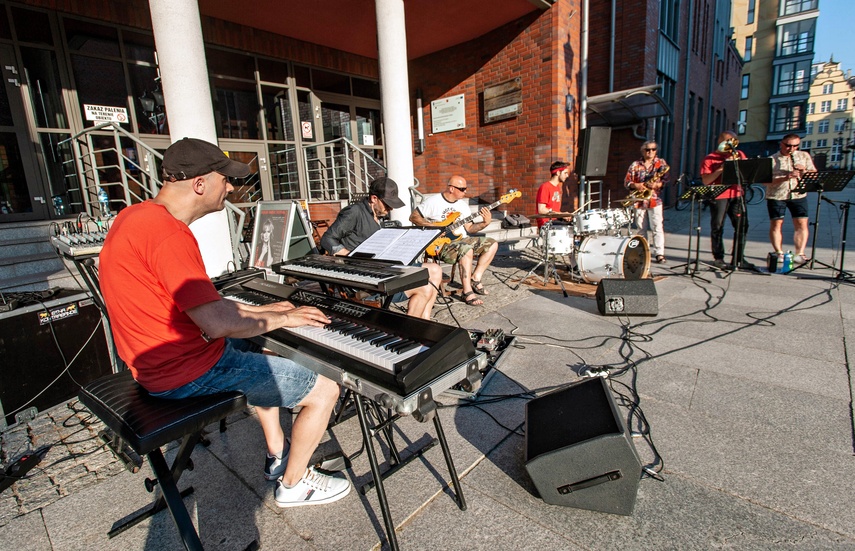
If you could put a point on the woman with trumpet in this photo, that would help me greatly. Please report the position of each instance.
(729, 203)
(644, 179)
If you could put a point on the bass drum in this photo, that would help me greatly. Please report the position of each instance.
(613, 256)
(558, 239)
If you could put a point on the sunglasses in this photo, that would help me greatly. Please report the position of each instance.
(791, 144)
(459, 188)
(650, 149)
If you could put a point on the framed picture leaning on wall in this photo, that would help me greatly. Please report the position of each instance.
(268, 235)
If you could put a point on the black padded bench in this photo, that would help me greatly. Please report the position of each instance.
(145, 424)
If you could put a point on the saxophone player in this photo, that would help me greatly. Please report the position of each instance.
(788, 165)
(644, 179)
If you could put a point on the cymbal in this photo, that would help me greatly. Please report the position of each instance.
(553, 215)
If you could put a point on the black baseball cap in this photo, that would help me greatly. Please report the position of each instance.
(387, 191)
(190, 157)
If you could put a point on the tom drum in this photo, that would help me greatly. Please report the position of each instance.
(558, 239)
(592, 221)
(610, 256)
(617, 219)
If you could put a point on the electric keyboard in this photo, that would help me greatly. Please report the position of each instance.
(378, 276)
(398, 361)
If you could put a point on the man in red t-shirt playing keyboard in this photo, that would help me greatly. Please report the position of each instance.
(180, 338)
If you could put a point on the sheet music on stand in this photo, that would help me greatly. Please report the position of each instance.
(828, 180)
(402, 245)
(703, 192)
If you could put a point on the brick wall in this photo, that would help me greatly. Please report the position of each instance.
(542, 49)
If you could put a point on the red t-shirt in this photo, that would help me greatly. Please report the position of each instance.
(712, 162)
(151, 273)
(550, 196)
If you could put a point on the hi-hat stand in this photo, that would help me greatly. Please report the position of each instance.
(821, 182)
(695, 194)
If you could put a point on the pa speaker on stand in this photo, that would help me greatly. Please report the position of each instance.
(623, 297)
(593, 151)
(578, 451)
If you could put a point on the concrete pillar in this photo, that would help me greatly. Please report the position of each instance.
(187, 97)
(394, 89)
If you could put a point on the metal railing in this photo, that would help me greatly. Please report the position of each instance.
(107, 157)
(337, 169)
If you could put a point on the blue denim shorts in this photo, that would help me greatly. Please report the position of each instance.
(778, 209)
(266, 380)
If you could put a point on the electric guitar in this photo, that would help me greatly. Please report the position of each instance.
(451, 223)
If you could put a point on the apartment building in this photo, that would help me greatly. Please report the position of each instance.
(829, 131)
(776, 39)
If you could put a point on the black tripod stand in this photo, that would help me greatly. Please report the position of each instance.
(696, 194)
(841, 275)
(821, 182)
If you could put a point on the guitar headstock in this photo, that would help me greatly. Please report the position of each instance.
(510, 196)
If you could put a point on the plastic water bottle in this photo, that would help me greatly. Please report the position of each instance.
(788, 261)
(104, 201)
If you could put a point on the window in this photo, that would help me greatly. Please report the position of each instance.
(809, 128)
(786, 117)
(749, 44)
(825, 106)
(792, 78)
(797, 38)
(750, 18)
(805, 144)
(828, 88)
(669, 18)
(742, 124)
(839, 123)
(789, 7)
(823, 127)
(836, 150)
(744, 93)
(810, 108)
(822, 143)
(842, 104)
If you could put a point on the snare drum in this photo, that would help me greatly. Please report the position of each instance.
(557, 239)
(611, 256)
(592, 221)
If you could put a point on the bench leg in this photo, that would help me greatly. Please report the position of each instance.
(170, 493)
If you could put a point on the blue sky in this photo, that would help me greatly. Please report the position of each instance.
(834, 33)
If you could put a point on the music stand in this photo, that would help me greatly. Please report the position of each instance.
(745, 172)
(833, 180)
(694, 194)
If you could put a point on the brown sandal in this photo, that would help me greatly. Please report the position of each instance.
(471, 299)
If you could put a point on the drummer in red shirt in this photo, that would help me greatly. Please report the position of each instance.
(730, 203)
(549, 193)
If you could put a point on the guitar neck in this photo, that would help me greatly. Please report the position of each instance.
(458, 223)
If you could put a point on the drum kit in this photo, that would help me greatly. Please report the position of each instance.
(597, 241)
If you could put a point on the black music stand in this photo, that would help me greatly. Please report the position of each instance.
(833, 180)
(695, 194)
(745, 172)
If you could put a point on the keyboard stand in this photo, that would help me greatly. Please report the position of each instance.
(384, 427)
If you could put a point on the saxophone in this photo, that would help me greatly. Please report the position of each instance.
(645, 193)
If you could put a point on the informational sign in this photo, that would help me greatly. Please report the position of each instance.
(56, 314)
(503, 101)
(448, 114)
(105, 113)
(306, 127)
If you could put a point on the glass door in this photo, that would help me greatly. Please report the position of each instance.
(21, 195)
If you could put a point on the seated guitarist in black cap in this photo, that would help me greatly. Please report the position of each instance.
(356, 223)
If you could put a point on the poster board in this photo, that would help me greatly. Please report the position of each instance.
(281, 232)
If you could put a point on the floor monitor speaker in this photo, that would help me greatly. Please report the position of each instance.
(578, 451)
(594, 151)
(622, 297)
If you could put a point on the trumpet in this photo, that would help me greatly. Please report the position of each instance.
(643, 194)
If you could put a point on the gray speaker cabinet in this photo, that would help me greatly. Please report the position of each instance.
(578, 451)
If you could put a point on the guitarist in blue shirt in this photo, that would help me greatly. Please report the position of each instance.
(441, 210)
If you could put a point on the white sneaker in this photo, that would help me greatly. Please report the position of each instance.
(313, 489)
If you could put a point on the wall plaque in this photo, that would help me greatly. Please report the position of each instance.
(503, 101)
(448, 114)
